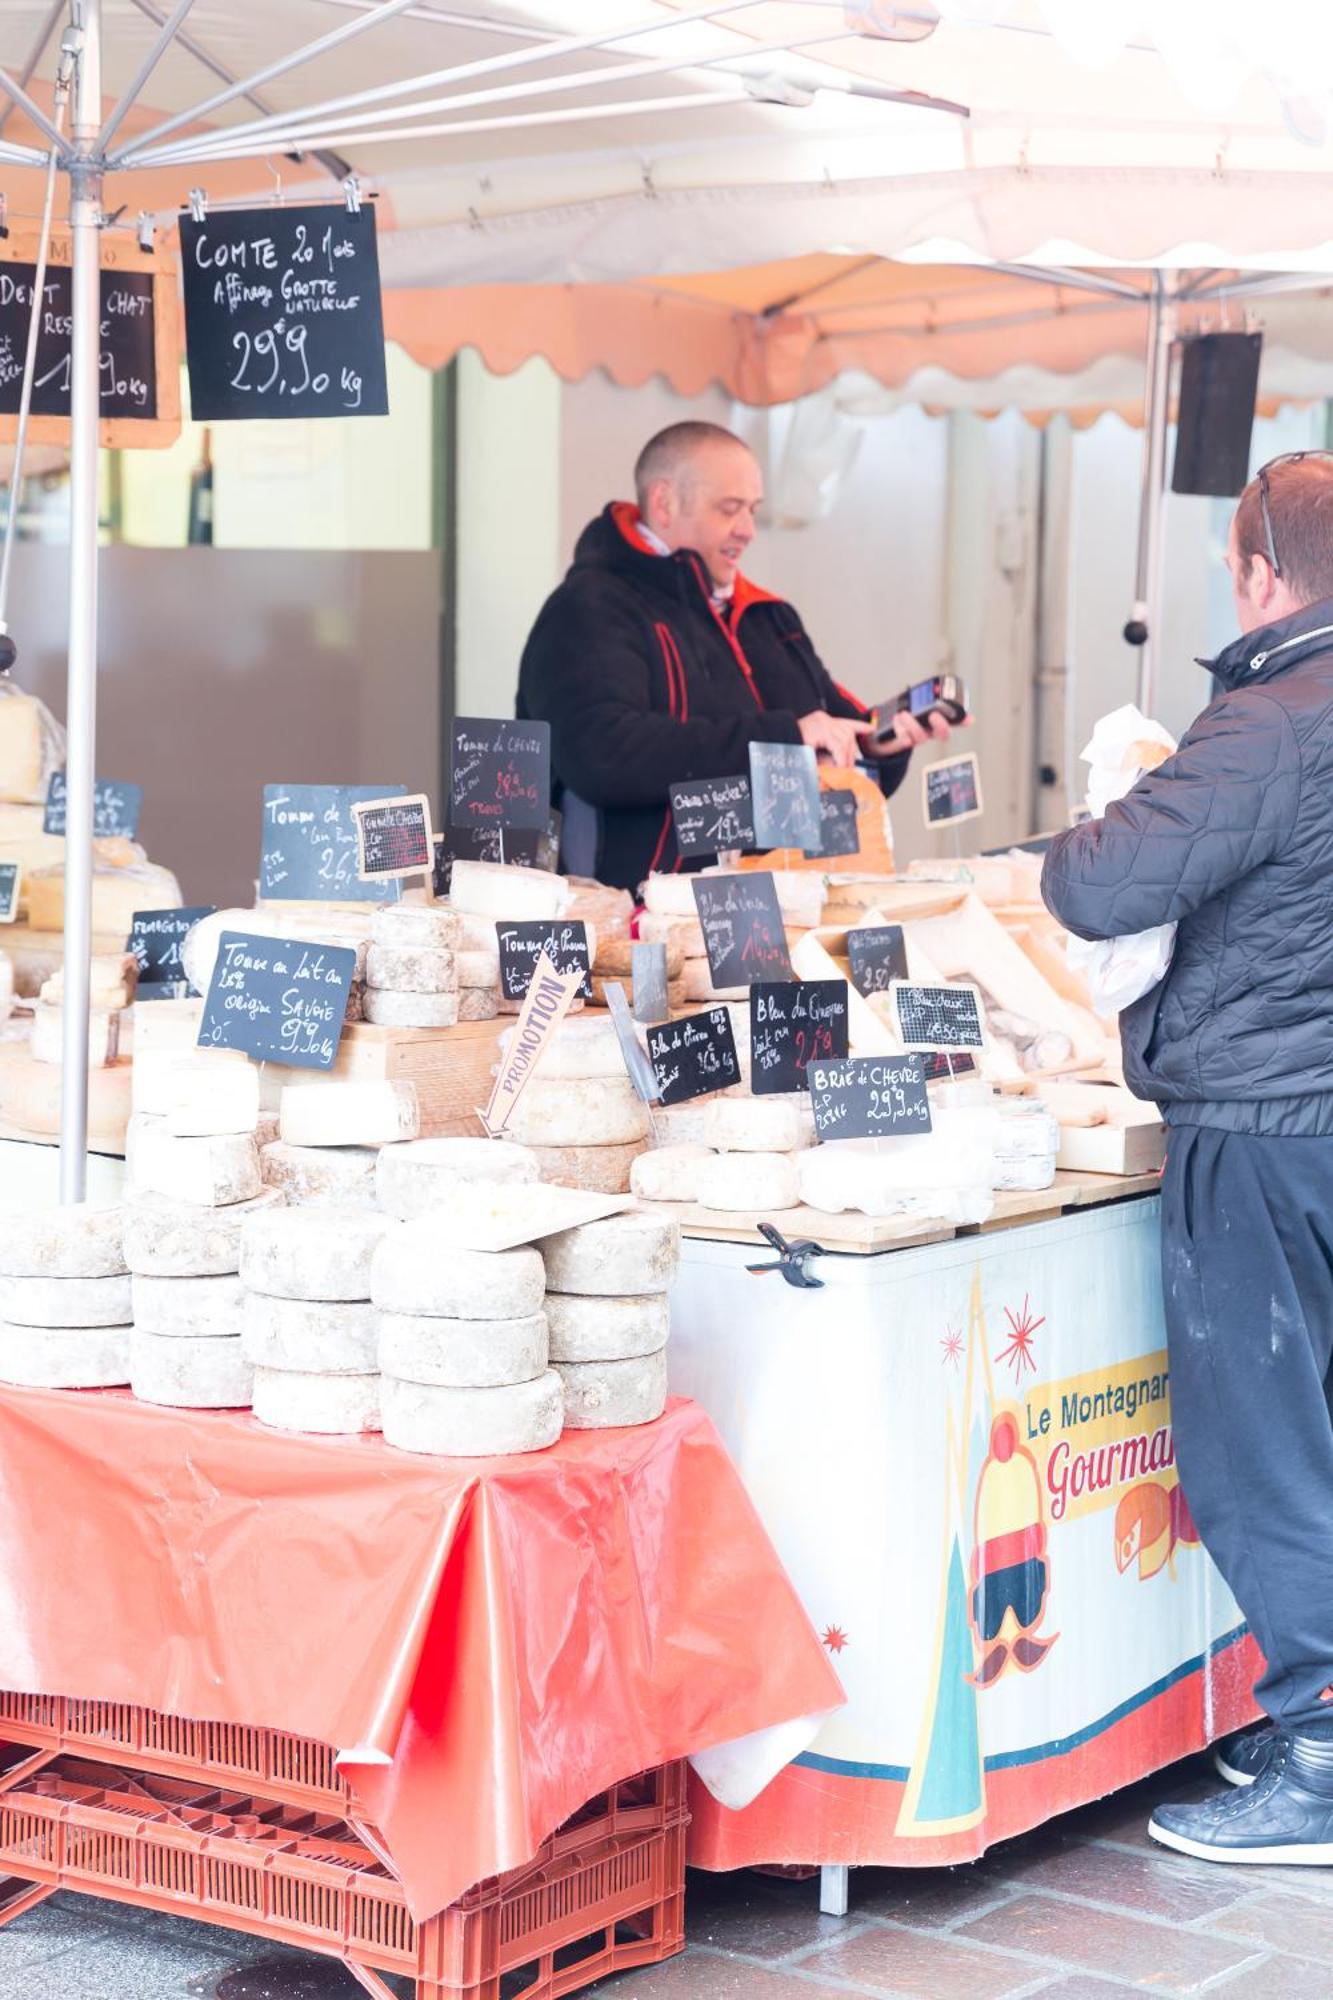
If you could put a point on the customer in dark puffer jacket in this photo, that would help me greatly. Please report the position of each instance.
(1232, 838)
(657, 660)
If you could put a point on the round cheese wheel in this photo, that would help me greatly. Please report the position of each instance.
(194, 1373)
(209, 1172)
(477, 934)
(83, 1240)
(312, 1336)
(79, 1302)
(463, 1353)
(411, 1273)
(594, 1169)
(69, 1358)
(315, 1176)
(171, 1239)
(696, 984)
(494, 889)
(601, 1395)
(752, 1125)
(347, 1111)
(472, 1423)
(287, 1400)
(478, 1003)
(411, 968)
(615, 956)
(588, 1047)
(478, 968)
(683, 936)
(311, 1253)
(668, 1173)
(587, 1329)
(619, 1256)
(386, 1008)
(175, 1307)
(603, 1111)
(415, 924)
(758, 1182)
(413, 1179)
(669, 896)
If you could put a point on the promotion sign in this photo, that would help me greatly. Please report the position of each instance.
(549, 998)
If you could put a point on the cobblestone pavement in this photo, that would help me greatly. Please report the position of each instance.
(1086, 1909)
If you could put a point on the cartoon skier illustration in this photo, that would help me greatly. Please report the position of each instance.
(1151, 1522)
(1010, 1573)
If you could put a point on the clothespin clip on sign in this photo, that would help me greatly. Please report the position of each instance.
(198, 205)
(4, 215)
(145, 230)
(793, 1260)
(352, 191)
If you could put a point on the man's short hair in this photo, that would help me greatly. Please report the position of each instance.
(1300, 507)
(666, 455)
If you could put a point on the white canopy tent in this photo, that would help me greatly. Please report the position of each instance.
(602, 139)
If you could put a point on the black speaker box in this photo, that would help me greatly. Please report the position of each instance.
(1219, 375)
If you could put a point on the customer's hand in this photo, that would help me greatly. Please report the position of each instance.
(835, 737)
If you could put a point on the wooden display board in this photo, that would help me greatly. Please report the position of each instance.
(120, 256)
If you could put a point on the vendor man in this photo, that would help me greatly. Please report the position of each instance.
(656, 660)
(1232, 840)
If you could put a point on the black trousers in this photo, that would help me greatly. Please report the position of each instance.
(1247, 1267)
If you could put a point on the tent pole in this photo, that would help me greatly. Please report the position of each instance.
(1144, 627)
(81, 696)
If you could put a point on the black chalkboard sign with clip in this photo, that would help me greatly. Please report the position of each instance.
(156, 937)
(279, 999)
(712, 815)
(784, 779)
(500, 775)
(522, 944)
(870, 1097)
(877, 956)
(792, 1024)
(394, 838)
(308, 845)
(742, 926)
(694, 1055)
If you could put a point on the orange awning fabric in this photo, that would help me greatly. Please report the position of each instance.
(490, 1642)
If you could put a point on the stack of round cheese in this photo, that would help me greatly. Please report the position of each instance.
(484, 894)
(607, 1313)
(65, 1300)
(412, 976)
(309, 1333)
(580, 1114)
(744, 1158)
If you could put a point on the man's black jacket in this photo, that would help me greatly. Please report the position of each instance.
(644, 682)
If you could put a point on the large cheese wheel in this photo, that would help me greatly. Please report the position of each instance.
(617, 1256)
(415, 924)
(668, 1173)
(311, 1253)
(472, 1423)
(588, 1047)
(490, 889)
(477, 934)
(752, 1125)
(163, 1076)
(386, 1008)
(478, 1003)
(412, 968)
(347, 1111)
(463, 1353)
(682, 936)
(696, 984)
(412, 1273)
(669, 896)
(288, 1400)
(615, 957)
(176, 1307)
(413, 1179)
(478, 968)
(47, 1043)
(208, 1099)
(315, 1176)
(594, 1169)
(800, 894)
(756, 1182)
(67, 1301)
(117, 894)
(313, 1336)
(210, 1173)
(601, 1395)
(172, 1239)
(314, 923)
(66, 1357)
(194, 1373)
(586, 1329)
(603, 1111)
(83, 1240)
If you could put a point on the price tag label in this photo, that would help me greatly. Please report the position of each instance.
(279, 999)
(309, 849)
(11, 875)
(792, 1024)
(837, 826)
(877, 956)
(742, 927)
(952, 790)
(394, 838)
(939, 1017)
(522, 945)
(694, 1055)
(156, 937)
(116, 807)
(712, 815)
(870, 1097)
(501, 774)
(784, 779)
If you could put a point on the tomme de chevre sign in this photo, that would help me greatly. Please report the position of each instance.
(548, 1002)
(712, 815)
(784, 779)
(279, 999)
(869, 1097)
(282, 313)
(792, 1024)
(501, 774)
(877, 956)
(938, 1017)
(116, 807)
(308, 845)
(742, 927)
(694, 1055)
(952, 790)
(394, 838)
(156, 937)
(523, 945)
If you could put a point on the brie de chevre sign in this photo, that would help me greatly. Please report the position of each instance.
(870, 1097)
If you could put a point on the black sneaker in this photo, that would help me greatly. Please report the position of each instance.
(1284, 1816)
(1242, 1758)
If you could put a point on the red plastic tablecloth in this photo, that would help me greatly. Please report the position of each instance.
(511, 1634)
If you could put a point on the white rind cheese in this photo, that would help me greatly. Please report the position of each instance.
(190, 1374)
(601, 1395)
(477, 934)
(312, 1336)
(316, 1176)
(478, 968)
(668, 1173)
(472, 1423)
(48, 1032)
(683, 935)
(492, 889)
(65, 1358)
(595, 1169)
(696, 984)
(478, 1003)
(587, 1329)
(208, 1173)
(800, 894)
(669, 896)
(463, 1353)
(209, 1099)
(311, 1253)
(581, 1049)
(161, 1075)
(620, 1256)
(83, 1240)
(758, 1182)
(78, 1302)
(413, 924)
(603, 1111)
(752, 1125)
(412, 1274)
(175, 1307)
(349, 1112)
(169, 1239)
(288, 1400)
(388, 1009)
(411, 968)
(413, 1179)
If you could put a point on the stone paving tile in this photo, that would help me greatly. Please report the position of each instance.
(113, 1963)
(1143, 1883)
(1277, 1979)
(1086, 1986)
(1097, 1941)
(703, 1975)
(1296, 1924)
(759, 1916)
(931, 1898)
(929, 1967)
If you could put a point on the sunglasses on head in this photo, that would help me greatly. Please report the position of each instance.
(1283, 458)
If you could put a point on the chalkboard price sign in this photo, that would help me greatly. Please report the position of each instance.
(952, 790)
(785, 781)
(742, 927)
(712, 815)
(156, 937)
(870, 1097)
(278, 999)
(521, 945)
(11, 875)
(939, 1017)
(282, 313)
(308, 850)
(128, 362)
(941, 1068)
(837, 826)
(877, 956)
(394, 838)
(792, 1024)
(116, 807)
(694, 1055)
(501, 774)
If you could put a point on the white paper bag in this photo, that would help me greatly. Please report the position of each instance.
(1120, 971)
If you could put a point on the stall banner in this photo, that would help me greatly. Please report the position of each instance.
(964, 1455)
